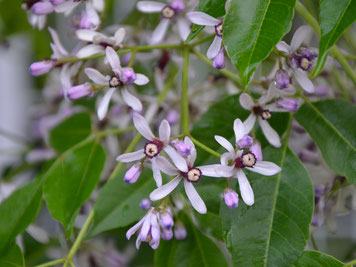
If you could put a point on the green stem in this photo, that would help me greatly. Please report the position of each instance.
(184, 98)
(202, 40)
(51, 263)
(204, 147)
(133, 56)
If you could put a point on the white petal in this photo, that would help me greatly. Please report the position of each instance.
(134, 228)
(146, 226)
(201, 18)
(160, 31)
(177, 159)
(150, 6)
(282, 46)
(166, 189)
(304, 81)
(216, 170)
(164, 132)
(104, 104)
(66, 7)
(298, 37)
(183, 28)
(270, 134)
(214, 48)
(249, 123)
(138, 242)
(245, 188)
(85, 35)
(156, 172)
(193, 152)
(131, 100)
(141, 79)
(226, 157)
(239, 129)
(99, 5)
(142, 126)
(96, 76)
(57, 43)
(271, 93)
(92, 14)
(90, 50)
(194, 197)
(224, 143)
(246, 101)
(265, 168)
(133, 156)
(165, 166)
(113, 58)
(119, 36)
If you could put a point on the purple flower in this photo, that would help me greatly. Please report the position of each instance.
(42, 67)
(167, 234)
(245, 142)
(180, 232)
(182, 148)
(42, 8)
(133, 173)
(231, 198)
(282, 79)
(145, 204)
(289, 104)
(219, 60)
(79, 91)
(128, 75)
(166, 220)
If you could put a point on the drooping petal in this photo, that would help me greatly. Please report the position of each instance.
(104, 104)
(164, 132)
(283, 46)
(177, 159)
(201, 18)
(166, 189)
(142, 127)
(224, 143)
(270, 134)
(131, 100)
(216, 170)
(134, 228)
(96, 76)
(146, 226)
(156, 173)
(138, 242)
(299, 36)
(150, 6)
(133, 156)
(90, 50)
(57, 43)
(113, 58)
(304, 81)
(119, 36)
(239, 129)
(249, 123)
(183, 28)
(246, 101)
(265, 168)
(141, 79)
(245, 188)
(194, 198)
(214, 48)
(85, 34)
(193, 152)
(160, 31)
(165, 166)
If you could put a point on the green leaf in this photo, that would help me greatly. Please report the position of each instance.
(252, 29)
(334, 18)
(318, 259)
(118, 202)
(196, 250)
(18, 211)
(275, 230)
(331, 125)
(70, 132)
(14, 258)
(71, 180)
(215, 8)
(13, 18)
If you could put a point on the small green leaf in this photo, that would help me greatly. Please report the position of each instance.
(331, 125)
(70, 132)
(334, 18)
(71, 180)
(14, 258)
(275, 230)
(252, 29)
(318, 259)
(118, 202)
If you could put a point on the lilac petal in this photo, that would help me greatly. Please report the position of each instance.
(239, 129)
(96, 76)
(224, 143)
(271, 93)
(177, 159)
(156, 173)
(85, 35)
(134, 228)
(92, 14)
(249, 123)
(165, 166)
(164, 132)
(42, 8)
(142, 127)
(119, 36)
(150, 6)
(131, 100)
(113, 58)
(299, 36)
(133, 156)
(270, 134)
(57, 43)
(141, 79)
(226, 157)
(304, 81)
(138, 242)
(201, 18)
(104, 104)
(214, 48)
(193, 152)
(146, 226)
(283, 46)
(160, 31)
(183, 28)
(216, 170)
(257, 151)
(245, 188)
(166, 189)
(90, 50)
(194, 197)
(246, 101)
(265, 168)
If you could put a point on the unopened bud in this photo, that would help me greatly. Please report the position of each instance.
(321, 90)
(180, 232)
(166, 220)
(231, 198)
(219, 60)
(79, 91)
(282, 79)
(289, 104)
(145, 204)
(167, 234)
(178, 5)
(128, 75)
(133, 173)
(245, 142)
(41, 67)
(42, 8)
(172, 117)
(182, 148)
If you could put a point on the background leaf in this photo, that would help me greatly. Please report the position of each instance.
(251, 30)
(71, 180)
(331, 125)
(334, 18)
(318, 259)
(275, 230)
(14, 258)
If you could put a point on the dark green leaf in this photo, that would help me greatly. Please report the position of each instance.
(318, 259)
(18, 211)
(331, 125)
(251, 30)
(118, 202)
(196, 250)
(334, 17)
(13, 18)
(13, 258)
(71, 180)
(70, 132)
(275, 230)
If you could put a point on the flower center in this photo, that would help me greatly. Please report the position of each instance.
(168, 12)
(115, 82)
(247, 159)
(152, 149)
(219, 29)
(193, 175)
(263, 113)
(304, 63)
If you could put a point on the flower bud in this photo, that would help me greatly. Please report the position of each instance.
(282, 79)
(219, 60)
(256, 150)
(289, 104)
(145, 204)
(167, 234)
(128, 75)
(319, 190)
(231, 198)
(321, 90)
(42, 8)
(309, 156)
(180, 232)
(245, 142)
(40, 68)
(133, 173)
(182, 148)
(172, 117)
(178, 5)
(57, 2)
(166, 220)
(79, 91)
